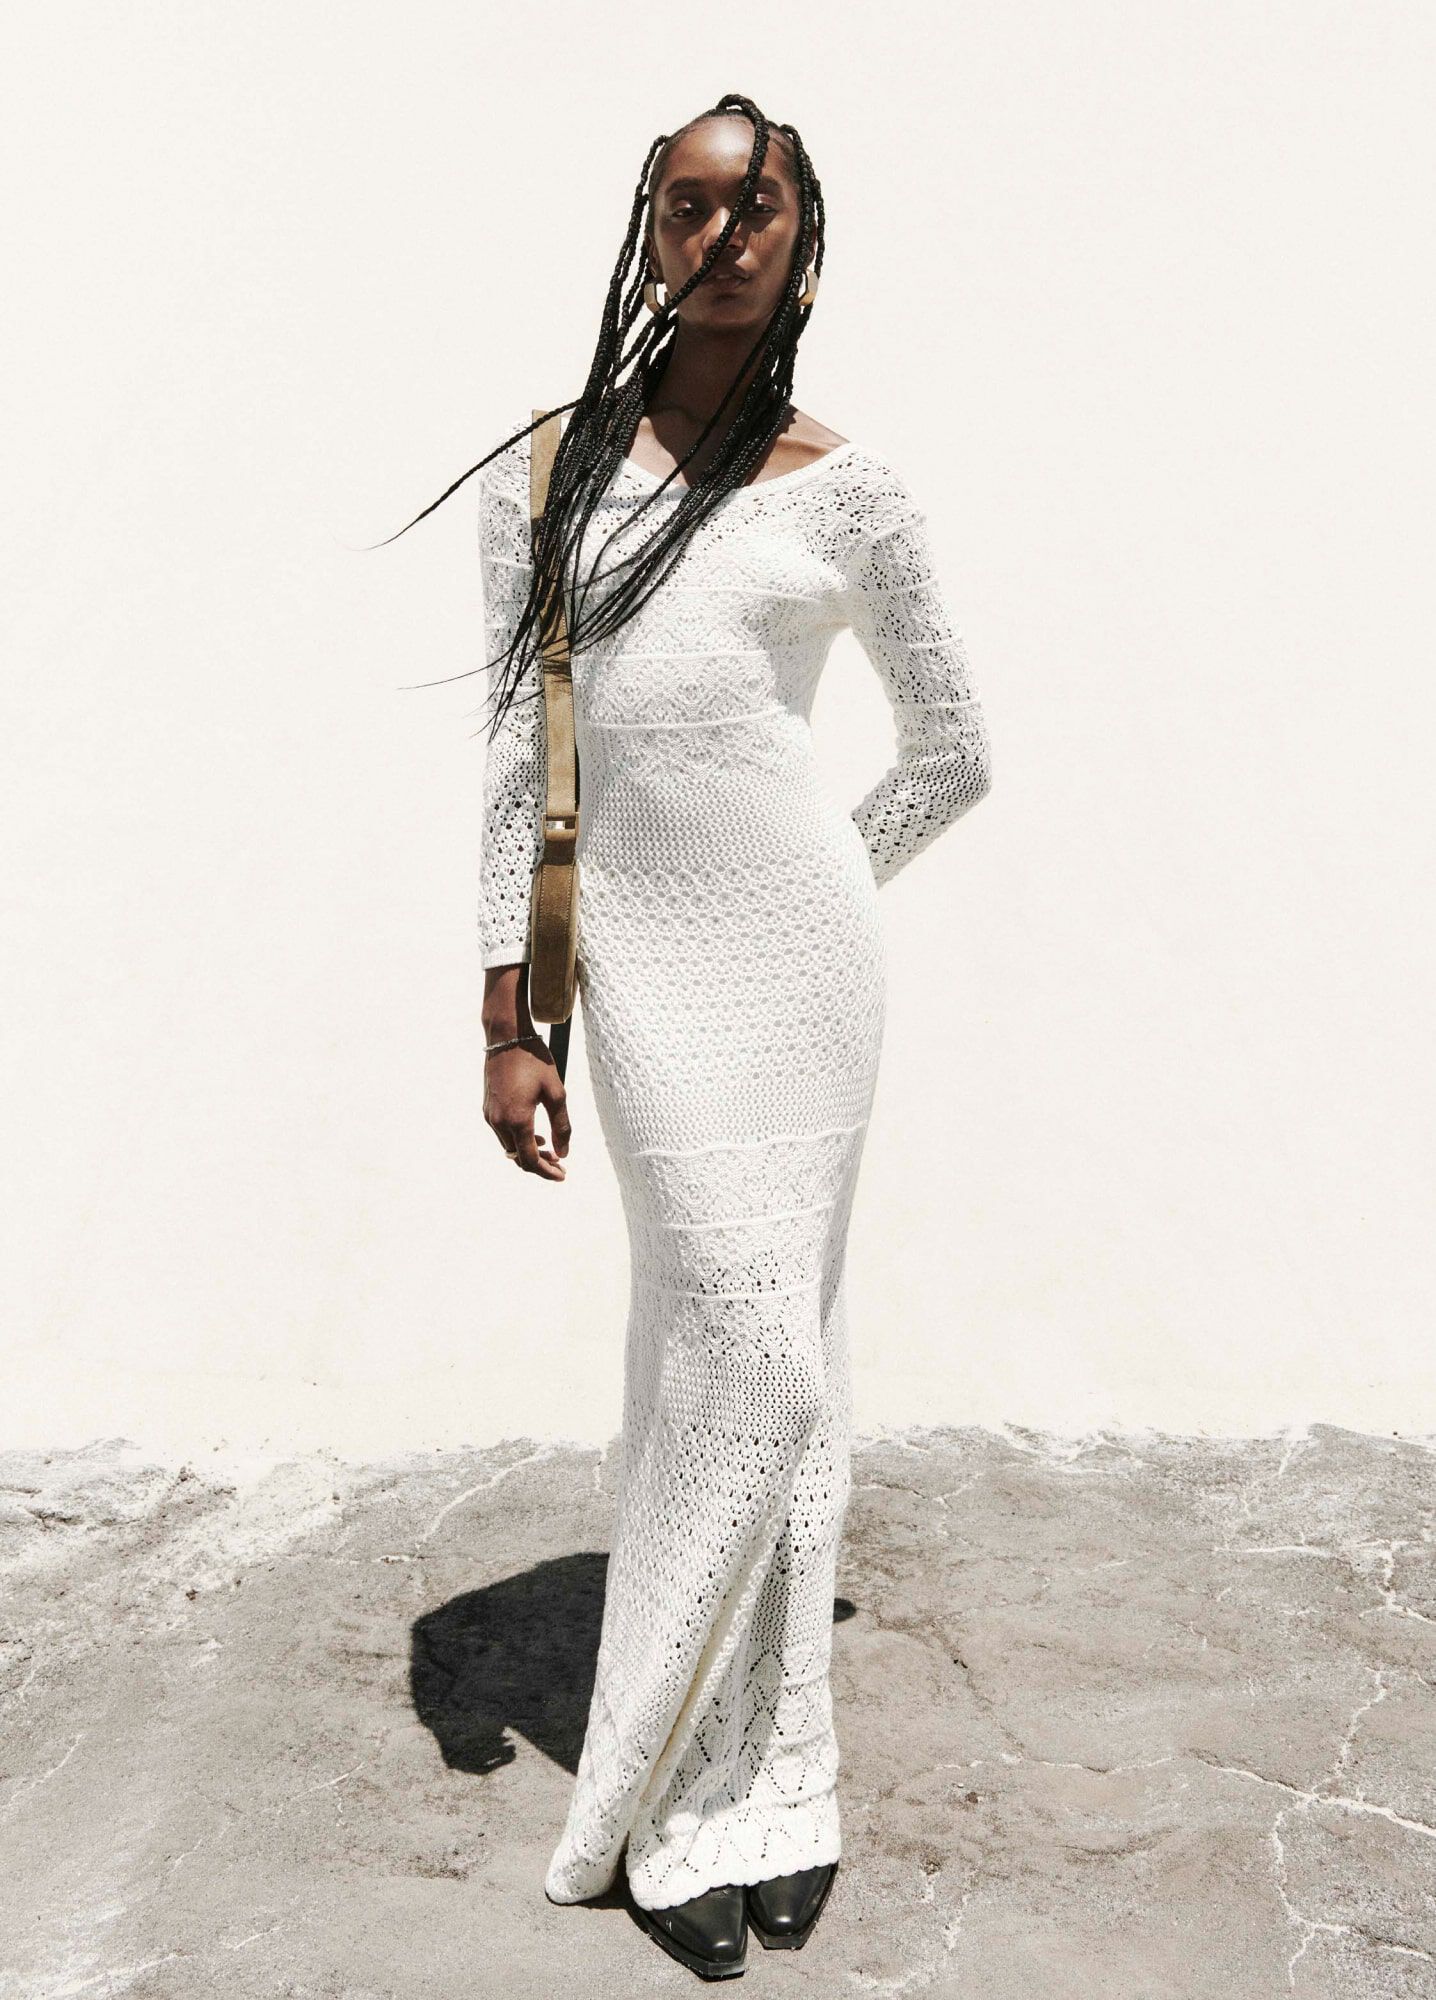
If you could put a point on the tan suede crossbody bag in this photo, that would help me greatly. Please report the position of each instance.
(553, 908)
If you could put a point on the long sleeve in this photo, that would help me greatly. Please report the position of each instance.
(943, 765)
(514, 770)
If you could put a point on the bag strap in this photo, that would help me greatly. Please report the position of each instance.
(560, 813)
(560, 816)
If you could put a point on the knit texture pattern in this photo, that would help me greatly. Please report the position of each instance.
(731, 978)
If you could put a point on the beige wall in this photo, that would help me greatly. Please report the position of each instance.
(1135, 297)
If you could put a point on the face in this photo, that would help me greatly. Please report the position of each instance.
(691, 205)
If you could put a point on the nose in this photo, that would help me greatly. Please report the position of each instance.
(717, 223)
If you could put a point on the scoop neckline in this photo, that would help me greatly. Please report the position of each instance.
(793, 478)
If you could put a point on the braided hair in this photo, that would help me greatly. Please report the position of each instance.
(607, 412)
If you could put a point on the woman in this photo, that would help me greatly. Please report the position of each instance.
(713, 541)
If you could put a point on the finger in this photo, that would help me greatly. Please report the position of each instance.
(533, 1161)
(511, 1137)
(558, 1123)
(522, 1147)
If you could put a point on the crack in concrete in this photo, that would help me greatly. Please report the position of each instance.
(243, 1944)
(1312, 1927)
(543, 1451)
(1343, 1749)
(1385, 1553)
(942, 1496)
(921, 1950)
(1069, 1764)
(1310, 1798)
(1309, 1926)
(1280, 1549)
(1260, 1483)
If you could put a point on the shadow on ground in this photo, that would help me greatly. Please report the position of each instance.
(1122, 1718)
(515, 1658)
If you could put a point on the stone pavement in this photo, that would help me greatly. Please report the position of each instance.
(1133, 1716)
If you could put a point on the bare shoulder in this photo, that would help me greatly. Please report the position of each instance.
(813, 437)
(802, 441)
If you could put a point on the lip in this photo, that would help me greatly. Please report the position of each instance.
(726, 279)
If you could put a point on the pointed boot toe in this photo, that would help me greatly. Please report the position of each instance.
(784, 1909)
(708, 1933)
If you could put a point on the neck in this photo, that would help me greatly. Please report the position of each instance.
(699, 370)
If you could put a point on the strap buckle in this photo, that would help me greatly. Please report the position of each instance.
(560, 833)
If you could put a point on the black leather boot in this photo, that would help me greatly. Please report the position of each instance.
(784, 1909)
(708, 1933)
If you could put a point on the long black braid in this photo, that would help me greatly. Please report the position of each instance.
(607, 413)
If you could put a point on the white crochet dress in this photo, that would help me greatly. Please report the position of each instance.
(731, 979)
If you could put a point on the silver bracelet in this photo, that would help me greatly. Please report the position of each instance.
(492, 1048)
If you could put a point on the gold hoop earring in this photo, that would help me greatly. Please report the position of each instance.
(650, 295)
(810, 285)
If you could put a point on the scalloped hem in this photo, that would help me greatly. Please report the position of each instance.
(742, 1844)
(579, 1885)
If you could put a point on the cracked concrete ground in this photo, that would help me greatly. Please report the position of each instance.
(1130, 1717)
